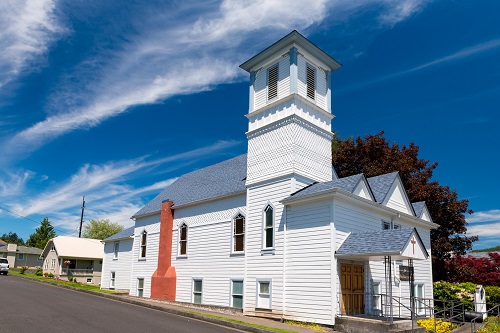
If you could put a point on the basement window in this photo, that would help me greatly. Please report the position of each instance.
(197, 291)
(272, 78)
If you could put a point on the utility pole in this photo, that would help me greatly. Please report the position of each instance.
(81, 219)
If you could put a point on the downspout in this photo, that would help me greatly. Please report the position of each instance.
(284, 266)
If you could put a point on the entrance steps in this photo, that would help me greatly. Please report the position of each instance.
(374, 325)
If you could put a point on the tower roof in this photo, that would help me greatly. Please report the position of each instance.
(293, 37)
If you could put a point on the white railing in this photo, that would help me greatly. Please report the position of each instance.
(77, 272)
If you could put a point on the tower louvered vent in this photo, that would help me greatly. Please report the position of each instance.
(273, 82)
(311, 79)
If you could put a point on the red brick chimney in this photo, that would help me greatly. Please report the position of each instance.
(164, 279)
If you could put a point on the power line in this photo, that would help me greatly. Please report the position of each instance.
(37, 222)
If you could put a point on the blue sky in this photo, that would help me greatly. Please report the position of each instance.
(114, 100)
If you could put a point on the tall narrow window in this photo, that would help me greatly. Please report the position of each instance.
(239, 233)
(272, 89)
(268, 227)
(183, 239)
(197, 291)
(237, 294)
(112, 280)
(419, 295)
(311, 80)
(116, 248)
(143, 244)
(140, 287)
(377, 298)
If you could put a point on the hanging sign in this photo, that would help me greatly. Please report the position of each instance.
(405, 272)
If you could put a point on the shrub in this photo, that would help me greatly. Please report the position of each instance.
(23, 269)
(492, 296)
(462, 292)
(39, 272)
(50, 275)
(441, 326)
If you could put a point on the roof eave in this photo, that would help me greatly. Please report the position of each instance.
(293, 37)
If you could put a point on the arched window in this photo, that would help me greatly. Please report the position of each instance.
(183, 239)
(239, 233)
(142, 252)
(268, 227)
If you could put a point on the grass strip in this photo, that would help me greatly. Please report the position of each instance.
(267, 328)
(62, 282)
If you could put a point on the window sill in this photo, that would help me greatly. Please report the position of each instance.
(115, 258)
(267, 251)
(142, 259)
(237, 254)
(184, 256)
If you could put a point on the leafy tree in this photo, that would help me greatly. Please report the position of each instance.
(42, 234)
(485, 271)
(373, 155)
(101, 229)
(12, 238)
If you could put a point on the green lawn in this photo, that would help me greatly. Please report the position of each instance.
(492, 326)
(75, 285)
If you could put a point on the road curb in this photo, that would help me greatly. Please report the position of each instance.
(184, 313)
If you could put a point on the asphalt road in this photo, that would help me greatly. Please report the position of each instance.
(30, 306)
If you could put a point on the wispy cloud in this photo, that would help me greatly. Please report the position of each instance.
(485, 216)
(27, 29)
(106, 189)
(184, 53)
(448, 59)
(485, 230)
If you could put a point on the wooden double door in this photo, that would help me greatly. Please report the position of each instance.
(352, 286)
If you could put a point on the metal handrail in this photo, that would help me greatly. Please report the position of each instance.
(474, 320)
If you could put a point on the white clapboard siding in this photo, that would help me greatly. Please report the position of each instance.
(259, 265)
(122, 265)
(144, 268)
(397, 199)
(209, 254)
(308, 292)
(321, 89)
(351, 218)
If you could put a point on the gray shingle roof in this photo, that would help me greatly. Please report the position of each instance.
(23, 249)
(418, 207)
(225, 178)
(347, 184)
(376, 242)
(120, 235)
(380, 185)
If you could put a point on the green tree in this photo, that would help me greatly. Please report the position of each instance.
(101, 229)
(42, 234)
(373, 155)
(12, 238)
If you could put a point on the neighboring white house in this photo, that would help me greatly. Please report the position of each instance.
(80, 258)
(117, 264)
(275, 230)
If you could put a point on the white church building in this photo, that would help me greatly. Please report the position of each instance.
(275, 231)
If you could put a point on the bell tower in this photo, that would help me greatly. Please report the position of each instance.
(289, 131)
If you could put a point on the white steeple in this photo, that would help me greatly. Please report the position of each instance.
(289, 132)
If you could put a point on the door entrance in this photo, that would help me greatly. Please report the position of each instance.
(352, 288)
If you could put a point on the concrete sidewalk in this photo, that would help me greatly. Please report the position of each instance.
(217, 316)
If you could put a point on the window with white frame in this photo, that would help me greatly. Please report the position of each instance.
(112, 280)
(311, 81)
(183, 236)
(239, 233)
(197, 291)
(272, 82)
(140, 287)
(20, 256)
(237, 294)
(419, 295)
(268, 227)
(89, 280)
(116, 249)
(377, 298)
(390, 225)
(142, 247)
(46, 265)
(53, 264)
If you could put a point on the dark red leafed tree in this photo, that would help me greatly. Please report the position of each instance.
(373, 155)
(485, 271)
